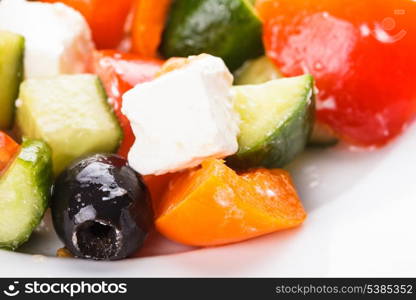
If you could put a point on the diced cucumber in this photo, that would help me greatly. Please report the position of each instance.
(11, 72)
(24, 193)
(256, 71)
(229, 29)
(261, 70)
(276, 121)
(70, 113)
(322, 136)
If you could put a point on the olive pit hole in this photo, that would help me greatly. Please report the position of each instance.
(97, 240)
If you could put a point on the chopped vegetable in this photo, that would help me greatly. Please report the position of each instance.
(101, 208)
(158, 185)
(229, 29)
(256, 71)
(261, 70)
(106, 18)
(24, 193)
(71, 114)
(361, 54)
(8, 149)
(11, 73)
(276, 121)
(148, 25)
(208, 151)
(213, 205)
(119, 73)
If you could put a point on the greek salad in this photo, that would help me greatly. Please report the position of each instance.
(124, 117)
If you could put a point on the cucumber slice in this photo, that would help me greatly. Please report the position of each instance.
(11, 72)
(261, 70)
(229, 29)
(276, 121)
(24, 193)
(256, 71)
(71, 114)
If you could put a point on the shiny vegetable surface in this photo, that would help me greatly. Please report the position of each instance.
(229, 29)
(276, 121)
(361, 54)
(24, 193)
(213, 205)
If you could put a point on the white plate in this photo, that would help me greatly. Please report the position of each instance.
(362, 222)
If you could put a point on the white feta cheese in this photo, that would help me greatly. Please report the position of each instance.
(182, 117)
(58, 39)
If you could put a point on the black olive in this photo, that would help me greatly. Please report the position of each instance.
(101, 208)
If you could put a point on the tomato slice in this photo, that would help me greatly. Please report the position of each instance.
(361, 54)
(106, 18)
(120, 72)
(8, 149)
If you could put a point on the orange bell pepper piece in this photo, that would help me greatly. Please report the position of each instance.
(213, 205)
(157, 186)
(148, 24)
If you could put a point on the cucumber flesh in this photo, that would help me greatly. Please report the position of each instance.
(71, 114)
(229, 29)
(276, 121)
(24, 193)
(256, 71)
(11, 72)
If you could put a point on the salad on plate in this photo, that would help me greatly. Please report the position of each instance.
(127, 117)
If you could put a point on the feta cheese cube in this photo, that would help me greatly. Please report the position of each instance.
(58, 39)
(182, 117)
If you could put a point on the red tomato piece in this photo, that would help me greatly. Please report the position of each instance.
(8, 149)
(106, 18)
(361, 53)
(119, 73)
